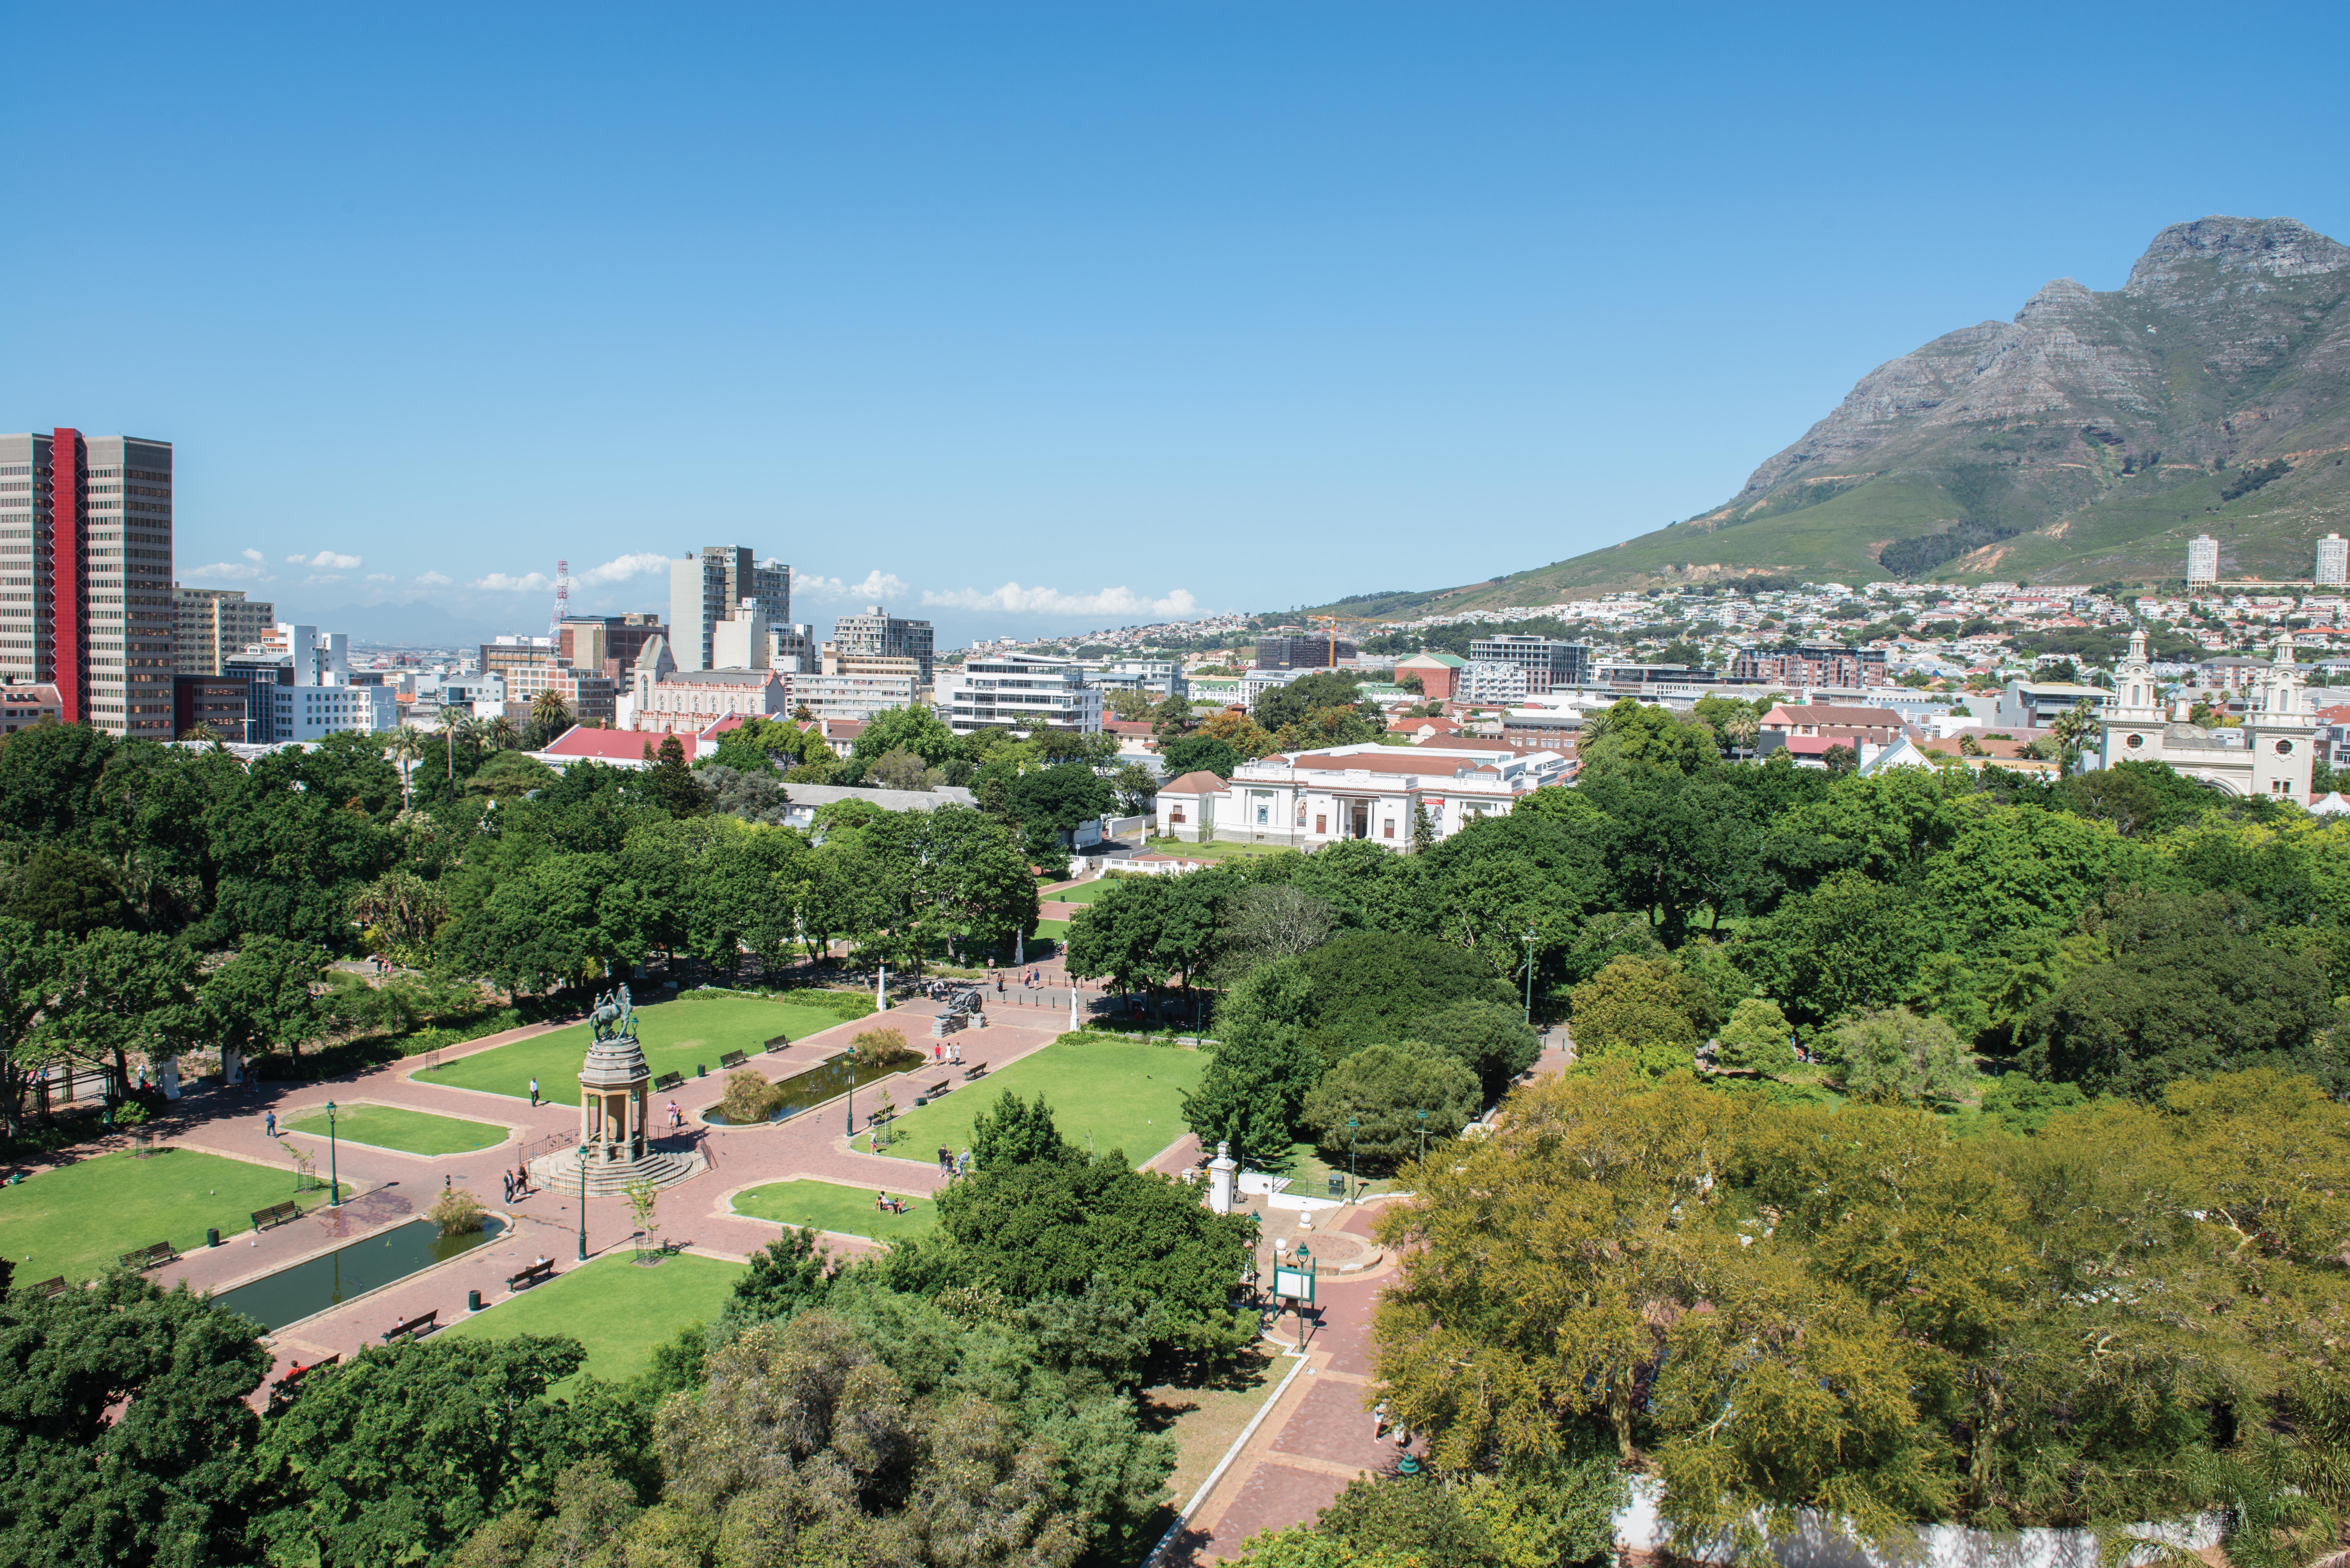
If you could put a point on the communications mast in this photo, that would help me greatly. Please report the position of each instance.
(562, 602)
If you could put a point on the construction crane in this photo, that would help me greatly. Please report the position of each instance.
(1331, 621)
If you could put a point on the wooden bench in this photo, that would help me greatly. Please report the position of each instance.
(976, 1070)
(414, 1328)
(668, 1081)
(537, 1274)
(275, 1214)
(935, 1090)
(295, 1373)
(147, 1257)
(54, 1286)
(732, 1059)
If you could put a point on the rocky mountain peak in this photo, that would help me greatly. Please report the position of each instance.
(2058, 301)
(2275, 248)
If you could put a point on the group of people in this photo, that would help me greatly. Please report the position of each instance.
(1030, 978)
(946, 1054)
(952, 1163)
(517, 1183)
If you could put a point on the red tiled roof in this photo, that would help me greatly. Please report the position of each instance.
(1198, 782)
(600, 746)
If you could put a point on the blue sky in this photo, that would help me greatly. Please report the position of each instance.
(1040, 317)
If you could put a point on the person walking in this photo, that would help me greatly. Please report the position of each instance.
(1378, 1419)
(269, 1120)
(507, 1178)
(534, 1093)
(676, 1117)
(522, 1181)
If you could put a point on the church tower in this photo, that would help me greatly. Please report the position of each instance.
(2280, 732)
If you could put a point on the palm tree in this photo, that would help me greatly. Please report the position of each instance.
(407, 749)
(549, 713)
(1742, 729)
(2073, 727)
(501, 734)
(1596, 728)
(460, 725)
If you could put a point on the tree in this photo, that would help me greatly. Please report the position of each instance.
(915, 730)
(125, 1427)
(1136, 786)
(1489, 1039)
(124, 994)
(261, 998)
(1894, 1056)
(69, 891)
(1247, 739)
(1173, 717)
(406, 1450)
(673, 784)
(1131, 704)
(1016, 1132)
(1631, 738)
(31, 966)
(550, 715)
(1058, 798)
(1200, 753)
(902, 769)
(509, 776)
(1370, 1104)
(791, 1274)
(1272, 920)
(1757, 1037)
(1641, 1010)
(1264, 1066)
(1850, 943)
(757, 797)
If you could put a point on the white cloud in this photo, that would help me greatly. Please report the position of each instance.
(506, 583)
(322, 558)
(620, 568)
(1013, 599)
(316, 578)
(381, 577)
(878, 586)
(433, 581)
(249, 570)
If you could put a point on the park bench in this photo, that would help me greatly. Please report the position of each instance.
(537, 1274)
(668, 1081)
(976, 1070)
(774, 1042)
(415, 1328)
(732, 1059)
(275, 1214)
(935, 1090)
(147, 1257)
(54, 1286)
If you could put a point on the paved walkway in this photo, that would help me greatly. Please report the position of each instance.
(393, 1188)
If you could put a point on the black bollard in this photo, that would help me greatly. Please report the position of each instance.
(473, 1301)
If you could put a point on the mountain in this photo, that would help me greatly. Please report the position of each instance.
(2086, 440)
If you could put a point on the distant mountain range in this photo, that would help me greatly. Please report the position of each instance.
(2086, 440)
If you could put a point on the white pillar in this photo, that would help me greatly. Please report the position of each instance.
(1220, 1171)
(882, 989)
(1074, 1024)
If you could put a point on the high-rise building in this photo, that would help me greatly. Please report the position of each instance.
(709, 588)
(1017, 691)
(1320, 651)
(2202, 560)
(213, 626)
(2334, 562)
(877, 631)
(85, 566)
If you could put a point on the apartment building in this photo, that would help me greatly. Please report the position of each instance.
(1815, 664)
(2333, 562)
(211, 625)
(1020, 692)
(1308, 652)
(852, 696)
(86, 576)
(606, 644)
(877, 632)
(1550, 665)
(2202, 560)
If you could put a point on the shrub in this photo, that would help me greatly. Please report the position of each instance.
(1896, 1055)
(749, 1098)
(879, 1047)
(1756, 1037)
(457, 1211)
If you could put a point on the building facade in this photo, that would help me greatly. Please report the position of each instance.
(2271, 754)
(2333, 562)
(1549, 664)
(25, 703)
(1491, 683)
(1370, 791)
(1019, 692)
(213, 702)
(877, 631)
(606, 643)
(851, 696)
(211, 625)
(1308, 652)
(711, 586)
(1815, 664)
(686, 702)
(86, 576)
(2202, 560)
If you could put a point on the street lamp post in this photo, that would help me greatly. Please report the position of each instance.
(1305, 1257)
(1529, 974)
(1423, 1135)
(1353, 1186)
(583, 1202)
(334, 1184)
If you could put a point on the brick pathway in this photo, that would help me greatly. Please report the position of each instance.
(394, 1188)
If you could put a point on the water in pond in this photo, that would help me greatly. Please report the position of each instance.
(291, 1295)
(806, 1091)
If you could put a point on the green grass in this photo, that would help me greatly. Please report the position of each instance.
(396, 1126)
(828, 1206)
(618, 1310)
(1084, 893)
(1124, 1095)
(1053, 928)
(1310, 1174)
(676, 1035)
(1214, 849)
(78, 1219)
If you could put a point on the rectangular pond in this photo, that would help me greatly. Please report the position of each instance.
(292, 1294)
(827, 1080)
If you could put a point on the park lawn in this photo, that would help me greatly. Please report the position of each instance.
(1214, 849)
(76, 1220)
(396, 1126)
(677, 1036)
(1106, 1092)
(619, 1308)
(1055, 929)
(829, 1205)
(1083, 893)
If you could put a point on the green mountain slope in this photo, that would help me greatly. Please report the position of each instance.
(2088, 440)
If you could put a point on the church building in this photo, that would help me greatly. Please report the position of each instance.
(2271, 754)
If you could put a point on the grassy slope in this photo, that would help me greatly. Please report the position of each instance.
(396, 1126)
(617, 1309)
(829, 1205)
(1127, 1096)
(78, 1219)
(676, 1035)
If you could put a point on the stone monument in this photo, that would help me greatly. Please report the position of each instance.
(615, 1113)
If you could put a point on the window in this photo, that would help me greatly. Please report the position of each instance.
(1263, 816)
(1175, 813)
(2134, 741)
(1390, 832)
(2284, 748)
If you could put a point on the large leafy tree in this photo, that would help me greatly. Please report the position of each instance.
(123, 994)
(1376, 1103)
(125, 1437)
(1849, 943)
(262, 997)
